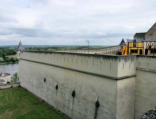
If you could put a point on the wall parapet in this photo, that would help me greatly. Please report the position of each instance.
(106, 50)
(145, 85)
(146, 63)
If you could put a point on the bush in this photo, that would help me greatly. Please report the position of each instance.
(15, 78)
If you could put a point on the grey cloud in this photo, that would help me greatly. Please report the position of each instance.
(28, 32)
(33, 32)
(73, 21)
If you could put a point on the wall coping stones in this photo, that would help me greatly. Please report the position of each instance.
(85, 54)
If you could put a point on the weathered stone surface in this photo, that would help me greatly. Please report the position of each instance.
(124, 86)
(81, 80)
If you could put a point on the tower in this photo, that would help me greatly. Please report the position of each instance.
(122, 43)
(19, 49)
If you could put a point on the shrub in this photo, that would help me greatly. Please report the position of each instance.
(15, 77)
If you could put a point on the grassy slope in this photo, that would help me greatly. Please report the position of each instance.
(16, 103)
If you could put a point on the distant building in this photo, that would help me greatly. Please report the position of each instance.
(19, 49)
(147, 36)
(142, 44)
(135, 47)
(151, 33)
(150, 43)
(1, 59)
(5, 78)
(122, 43)
(139, 36)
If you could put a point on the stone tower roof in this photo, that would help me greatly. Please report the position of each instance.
(122, 43)
(20, 47)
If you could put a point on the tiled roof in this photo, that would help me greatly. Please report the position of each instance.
(151, 40)
(139, 35)
(4, 74)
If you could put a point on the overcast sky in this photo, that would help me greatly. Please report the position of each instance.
(72, 22)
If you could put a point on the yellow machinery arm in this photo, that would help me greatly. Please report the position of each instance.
(125, 50)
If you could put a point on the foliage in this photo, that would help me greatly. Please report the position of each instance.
(15, 77)
(7, 51)
(8, 55)
(8, 60)
(17, 103)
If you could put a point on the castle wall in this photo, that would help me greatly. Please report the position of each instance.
(55, 76)
(145, 85)
(126, 88)
(106, 50)
(125, 98)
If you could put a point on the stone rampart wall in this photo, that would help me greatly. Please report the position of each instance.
(145, 85)
(83, 86)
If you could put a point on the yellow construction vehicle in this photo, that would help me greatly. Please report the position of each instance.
(125, 49)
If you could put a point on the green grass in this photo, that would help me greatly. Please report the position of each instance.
(17, 103)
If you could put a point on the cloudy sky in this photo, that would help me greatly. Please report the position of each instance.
(73, 22)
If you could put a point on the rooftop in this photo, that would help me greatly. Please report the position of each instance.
(140, 35)
(4, 74)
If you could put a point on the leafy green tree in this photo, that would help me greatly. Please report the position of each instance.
(13, 60)
(3, 56)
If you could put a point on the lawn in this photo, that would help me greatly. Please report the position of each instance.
(17, 103)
